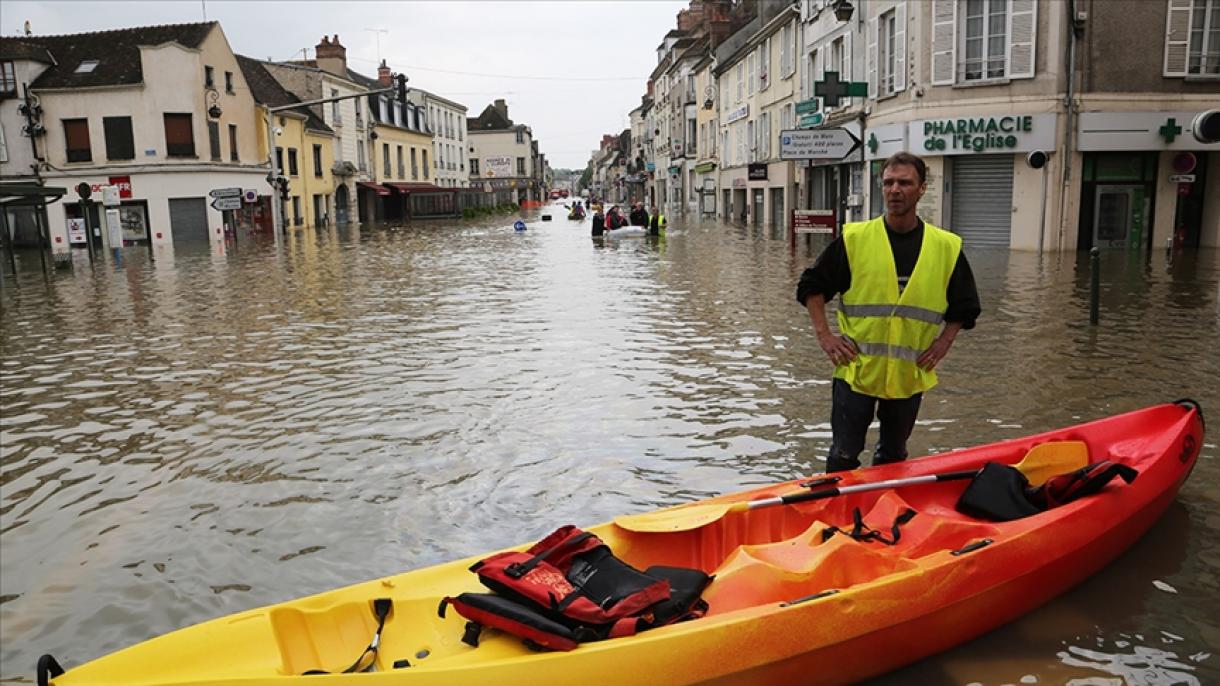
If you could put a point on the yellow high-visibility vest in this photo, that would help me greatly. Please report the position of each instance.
(890, 330)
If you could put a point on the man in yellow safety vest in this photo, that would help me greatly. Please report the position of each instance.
(907, 290)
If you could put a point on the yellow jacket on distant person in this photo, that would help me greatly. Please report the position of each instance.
(891, 331)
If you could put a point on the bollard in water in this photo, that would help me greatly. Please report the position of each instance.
(1094, 284)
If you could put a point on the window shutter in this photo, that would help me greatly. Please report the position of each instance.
(1177, 37)
(944, 42)
(1022, 29)
(873, 76)
(900, 47)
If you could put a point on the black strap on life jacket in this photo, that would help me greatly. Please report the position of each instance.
(520, 569)
(381, 610)
(865, 534)
(1063, 489)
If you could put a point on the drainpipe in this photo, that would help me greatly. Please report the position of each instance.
(1069, 119)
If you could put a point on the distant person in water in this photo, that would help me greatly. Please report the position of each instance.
(599, 221)
(639, 217)
(657, 224)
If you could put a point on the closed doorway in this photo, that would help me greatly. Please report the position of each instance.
(981, 194)
(1120, 216)
(778, 218)
(757, 208)
(188, 219)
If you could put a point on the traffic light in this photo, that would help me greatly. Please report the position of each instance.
(401, 80)
(282, 183)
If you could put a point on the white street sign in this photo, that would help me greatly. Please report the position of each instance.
(817, 144)
(225, 193)
(223, 204)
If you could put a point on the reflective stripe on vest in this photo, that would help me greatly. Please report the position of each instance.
(892, 330)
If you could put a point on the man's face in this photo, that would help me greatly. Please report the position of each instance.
(902, 189)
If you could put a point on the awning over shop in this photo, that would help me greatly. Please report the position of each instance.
(376, 188)
(29, 194)
(417, 187)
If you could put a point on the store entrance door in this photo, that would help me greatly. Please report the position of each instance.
(1120, 216)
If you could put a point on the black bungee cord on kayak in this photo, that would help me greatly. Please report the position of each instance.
(381, 609)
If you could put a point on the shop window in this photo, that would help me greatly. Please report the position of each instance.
(76, 140)
(119, 142)
(179, 136)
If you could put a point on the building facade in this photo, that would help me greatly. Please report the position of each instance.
(501, 154)
(447, 122)
(160, 113)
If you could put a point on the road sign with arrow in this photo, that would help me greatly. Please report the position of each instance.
(817, 144)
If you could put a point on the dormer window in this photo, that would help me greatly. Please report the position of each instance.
(86, 67)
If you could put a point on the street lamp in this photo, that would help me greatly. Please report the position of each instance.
(843, 10)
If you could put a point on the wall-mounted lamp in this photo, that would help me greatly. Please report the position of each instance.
(214, 110)
(843, 10)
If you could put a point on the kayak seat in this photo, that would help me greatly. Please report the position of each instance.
(327, 638)
(796, 567)
(935, 528)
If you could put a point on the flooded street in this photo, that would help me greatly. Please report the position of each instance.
(205, 432)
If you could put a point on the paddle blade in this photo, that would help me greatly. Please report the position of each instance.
(674, 519)
(1046, 460)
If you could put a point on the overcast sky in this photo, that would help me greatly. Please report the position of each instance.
(529, 53)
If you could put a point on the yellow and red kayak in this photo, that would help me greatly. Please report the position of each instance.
(786, 606)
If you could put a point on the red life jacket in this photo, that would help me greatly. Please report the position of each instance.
(569, 588)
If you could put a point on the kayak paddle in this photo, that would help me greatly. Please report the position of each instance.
(1042, 462)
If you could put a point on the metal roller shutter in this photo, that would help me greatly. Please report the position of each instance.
(982, 200)
(188, 219)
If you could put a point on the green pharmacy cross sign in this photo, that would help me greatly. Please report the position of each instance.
(830, 89)
(873, 144)
(1170, 130)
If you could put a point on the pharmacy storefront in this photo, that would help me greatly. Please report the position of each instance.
(979, 184)
(1146, 182)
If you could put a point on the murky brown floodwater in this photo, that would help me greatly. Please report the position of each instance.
(205, 433)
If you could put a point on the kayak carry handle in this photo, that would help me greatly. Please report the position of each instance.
(48, 668)
(1191, 402)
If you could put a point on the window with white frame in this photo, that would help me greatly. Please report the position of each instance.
(985, 40)
(787, 48)
(764, 65)
(764, 136)
(740, 68)
(885, 53)
(750, 84)
(1192, 38)
(975, 41)
(812, 72)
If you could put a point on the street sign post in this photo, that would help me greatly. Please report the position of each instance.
(814, 221)
(227, 203)
(817, 144)
(811, 120)
(807, 106)
(225, 193)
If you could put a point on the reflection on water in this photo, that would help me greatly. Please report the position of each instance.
(190, 433)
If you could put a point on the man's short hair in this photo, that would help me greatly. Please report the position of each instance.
(907, 158)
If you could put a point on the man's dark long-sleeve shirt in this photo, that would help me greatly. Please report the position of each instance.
(831, 275)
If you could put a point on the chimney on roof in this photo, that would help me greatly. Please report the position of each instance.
(384, 76)
(501, 107)
(331, 56)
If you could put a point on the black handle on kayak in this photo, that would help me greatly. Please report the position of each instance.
(877, 486)
(48, 668)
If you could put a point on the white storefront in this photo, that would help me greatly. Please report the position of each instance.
(170, 205)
